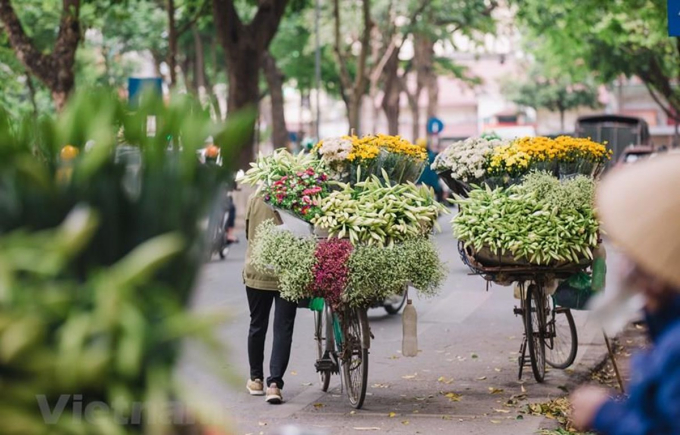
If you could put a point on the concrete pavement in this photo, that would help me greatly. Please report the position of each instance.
(464, 380)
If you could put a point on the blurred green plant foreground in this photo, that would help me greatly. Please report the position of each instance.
(98, 255)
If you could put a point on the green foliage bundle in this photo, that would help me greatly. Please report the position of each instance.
(375, 272)
(543, 220)
(97, 308)
(111, 338)
(290, 258)
(577, 193)
(147, 186)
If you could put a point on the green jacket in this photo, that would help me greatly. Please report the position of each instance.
(258, 211)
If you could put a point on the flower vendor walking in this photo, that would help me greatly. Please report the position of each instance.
(263, 292)
(429, 177)
(639, 207)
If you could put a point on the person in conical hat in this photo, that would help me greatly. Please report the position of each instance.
(640, 210)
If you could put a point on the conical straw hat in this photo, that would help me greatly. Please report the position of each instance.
(639, 206)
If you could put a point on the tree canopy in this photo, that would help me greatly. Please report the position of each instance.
(610, 39)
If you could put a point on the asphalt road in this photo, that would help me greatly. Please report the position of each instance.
(469, 340)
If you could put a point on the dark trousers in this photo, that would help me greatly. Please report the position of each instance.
(260, 302)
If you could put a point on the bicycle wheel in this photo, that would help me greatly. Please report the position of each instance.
(561, 340)
(355, 355)
(320, 335)
(534, 327)
(394, 303)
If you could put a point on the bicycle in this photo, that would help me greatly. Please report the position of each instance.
(542, 322)
(550, 336)
(343, 342)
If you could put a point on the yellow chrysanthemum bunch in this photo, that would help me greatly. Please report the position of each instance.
(563, 148)
(362, 148)
(399, 145)
(575, 148)
(509, 158)
(540, 148)
(369, 146)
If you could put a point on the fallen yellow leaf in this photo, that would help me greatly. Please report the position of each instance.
(392, 414)
(410, 376)
(481, 378)
(453, 397)
(405, 422)
(493, 390)
(319, 405)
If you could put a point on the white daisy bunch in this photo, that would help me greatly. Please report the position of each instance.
(467, 158)
(335, 150)
(335, 154)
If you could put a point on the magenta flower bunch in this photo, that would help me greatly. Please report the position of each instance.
(299, 193)
(331, 270)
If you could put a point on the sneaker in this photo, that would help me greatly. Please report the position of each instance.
(255, 387)
(274, 394)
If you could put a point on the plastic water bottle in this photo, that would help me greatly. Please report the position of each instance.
(409, 344)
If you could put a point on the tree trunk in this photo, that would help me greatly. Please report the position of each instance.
(392, 92)
(244, 45)
(187, 68)
(415, 111)
(32, 92)
(172, 43)
(243, 92)
(561, 120)
(432, 95)
(354, 113)
(199, 62)
(352, 91)
(55, 70)
(274, 79)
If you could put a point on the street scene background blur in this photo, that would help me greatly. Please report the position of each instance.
(112, 288)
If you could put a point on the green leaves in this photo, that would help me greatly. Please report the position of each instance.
(94, 336)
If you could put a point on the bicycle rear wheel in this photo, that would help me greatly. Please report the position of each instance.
(356, 336)
(322, 343)
(561, 339)
(534, 328)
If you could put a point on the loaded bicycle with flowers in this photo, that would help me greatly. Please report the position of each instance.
(528, 218)
(357, 230)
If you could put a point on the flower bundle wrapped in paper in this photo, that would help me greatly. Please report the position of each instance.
(294, 183)
(353, 159)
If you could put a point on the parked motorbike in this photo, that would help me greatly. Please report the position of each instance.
(219, 219)
(218, 224)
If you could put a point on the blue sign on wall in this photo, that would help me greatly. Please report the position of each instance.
(434, 126)
(137, 87)
(674, 17)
